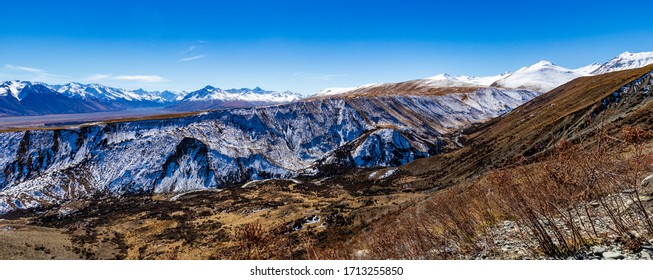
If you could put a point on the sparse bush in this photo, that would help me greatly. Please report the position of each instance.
(256, 242)
(579, 195)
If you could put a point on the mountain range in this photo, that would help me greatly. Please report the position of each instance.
(541, 77)
(437, 168)
(210, 97)
(373, 126)
(22, 98)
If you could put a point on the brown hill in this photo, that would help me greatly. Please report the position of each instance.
(572, 111)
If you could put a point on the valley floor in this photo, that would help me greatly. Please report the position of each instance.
(279, 219)
(66, 120)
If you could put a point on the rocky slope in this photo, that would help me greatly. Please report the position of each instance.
(222, 148)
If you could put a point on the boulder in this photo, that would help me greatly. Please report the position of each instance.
(362, 254)
(599, 250)
(647, 183)
(613, 255)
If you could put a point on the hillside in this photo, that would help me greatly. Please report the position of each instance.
(557, 177)
(563, 176)
(569, 111)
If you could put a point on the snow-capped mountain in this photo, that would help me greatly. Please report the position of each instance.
(171, 96)
(542, 76)
(12, 88)
(445, 80)
(245, 94)
(625, 61)
(588, 69)
(18, 98)
(77, 90)
(210, 97)
(10, 99)
(340, 90)
(83, 98)
(483, 80)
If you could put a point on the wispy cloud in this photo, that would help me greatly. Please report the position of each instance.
(23, 68)
(198, 44)
(319, 76)
(130, 78)
(32, 74)
(191, 58)
(193, 49)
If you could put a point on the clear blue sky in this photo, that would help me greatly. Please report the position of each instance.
(306, 45)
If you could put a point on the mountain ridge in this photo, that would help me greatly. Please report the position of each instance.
(542, 76)
(98, 98)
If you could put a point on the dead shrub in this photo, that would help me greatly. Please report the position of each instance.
(581, 194)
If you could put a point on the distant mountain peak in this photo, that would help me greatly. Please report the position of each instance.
(588, 69)
(541, 76)
(625, 60)
(443, 76)
(13, 88)
(210, 97)
(544, 63)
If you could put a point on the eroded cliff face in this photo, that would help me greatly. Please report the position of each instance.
(224, 148)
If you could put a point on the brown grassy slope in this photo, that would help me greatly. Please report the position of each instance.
(555, 201)
(204, 224)
(568, 111)
(576, 197)
(408, 88)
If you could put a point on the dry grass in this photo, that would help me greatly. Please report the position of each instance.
(19, 241)
(580, 195)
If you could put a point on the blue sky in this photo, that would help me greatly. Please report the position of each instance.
(304, 46)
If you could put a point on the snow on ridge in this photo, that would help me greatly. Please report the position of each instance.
(541, 76)
(588, 69)
(13, 88)
(482, 80)
(98, 91)
(467, 80)
(244, 94)
(341, 90)
(624, 61)
(102, 92)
